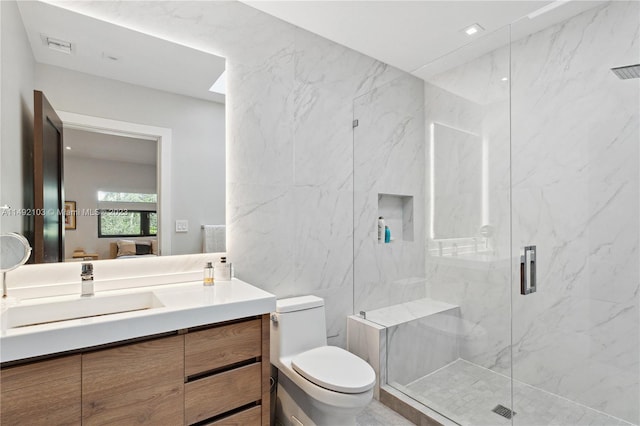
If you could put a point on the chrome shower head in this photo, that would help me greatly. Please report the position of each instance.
(627, 72)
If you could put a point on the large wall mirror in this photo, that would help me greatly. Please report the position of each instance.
(143, 142)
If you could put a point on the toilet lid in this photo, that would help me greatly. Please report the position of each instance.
(335, 369)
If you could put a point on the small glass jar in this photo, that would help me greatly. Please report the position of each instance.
(207, 280)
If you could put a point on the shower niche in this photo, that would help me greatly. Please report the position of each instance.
(397, 211)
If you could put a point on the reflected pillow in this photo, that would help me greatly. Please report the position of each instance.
(126, 248)
(143, 247)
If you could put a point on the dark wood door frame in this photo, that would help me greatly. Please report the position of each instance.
(46, 117)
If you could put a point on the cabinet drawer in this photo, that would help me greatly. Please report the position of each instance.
(248, 417)
(222, 392)
(217, 347)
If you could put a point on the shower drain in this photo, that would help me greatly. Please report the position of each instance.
(504, 411)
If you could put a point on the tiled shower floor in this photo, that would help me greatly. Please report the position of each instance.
(466, 393)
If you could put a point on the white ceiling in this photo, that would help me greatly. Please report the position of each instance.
(413, 34)
(423, 37)
(142, 59)
(104, 146)
(405, 34)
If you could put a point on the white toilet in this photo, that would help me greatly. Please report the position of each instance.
(317, 384)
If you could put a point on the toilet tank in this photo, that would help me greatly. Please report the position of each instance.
(297, 326)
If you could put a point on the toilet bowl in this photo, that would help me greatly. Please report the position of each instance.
(317, 384)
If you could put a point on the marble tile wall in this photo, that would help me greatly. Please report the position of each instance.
(574, 171)
(482, 290)
(420, 347)
(419, 336)
(456, 171)
(290, 145)
(575, 133)
(473, 98)
(388, 158)
(327, 79)
(368, 340)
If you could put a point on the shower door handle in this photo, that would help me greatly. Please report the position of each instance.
(528, 271)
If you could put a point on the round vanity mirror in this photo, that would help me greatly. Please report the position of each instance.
(14, 251)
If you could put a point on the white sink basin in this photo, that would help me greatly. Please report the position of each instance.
(82, 307)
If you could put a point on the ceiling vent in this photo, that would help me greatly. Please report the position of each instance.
(57, 44)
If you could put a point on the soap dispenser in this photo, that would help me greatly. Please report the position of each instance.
(223, 270)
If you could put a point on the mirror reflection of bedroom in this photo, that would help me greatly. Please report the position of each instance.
(129, 193)
(120, 173)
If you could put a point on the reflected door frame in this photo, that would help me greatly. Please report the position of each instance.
(48, 182)
(162, 135)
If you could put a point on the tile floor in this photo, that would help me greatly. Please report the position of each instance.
(467, 393)
(378, 414)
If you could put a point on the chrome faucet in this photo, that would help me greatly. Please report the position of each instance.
(87, 280)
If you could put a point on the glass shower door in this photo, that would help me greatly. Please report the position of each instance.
(431, 157)
(574, 172)
(467, 262)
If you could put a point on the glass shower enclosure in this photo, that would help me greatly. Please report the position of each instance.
(507, 173)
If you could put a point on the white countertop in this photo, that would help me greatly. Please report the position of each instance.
(184, 305)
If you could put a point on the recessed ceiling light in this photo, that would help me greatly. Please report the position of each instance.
(68, 148)
(473, 29)
(504, 79)
(220, 86)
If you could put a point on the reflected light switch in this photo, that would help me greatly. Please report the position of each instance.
(182, 226)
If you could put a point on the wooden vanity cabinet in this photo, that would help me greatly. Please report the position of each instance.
(214, 375)
(41, 393)
(227, 371)
(138, 383)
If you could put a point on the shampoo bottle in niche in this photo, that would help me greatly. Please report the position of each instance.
(223, 270)
(381, 229)
(207, 279)
(387, 234)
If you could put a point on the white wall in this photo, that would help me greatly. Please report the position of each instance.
(16, 131)
(198, 135)
(83, 178)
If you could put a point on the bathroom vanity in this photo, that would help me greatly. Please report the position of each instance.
(199, 355)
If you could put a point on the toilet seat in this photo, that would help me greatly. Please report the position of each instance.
(335, 369)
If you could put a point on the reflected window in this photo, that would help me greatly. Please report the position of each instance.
(127, 214)
(127, 223)
(128, 197)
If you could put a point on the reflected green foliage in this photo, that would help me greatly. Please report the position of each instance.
(153, 223)
(128, 197)
(127, 223)
(117, 223)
